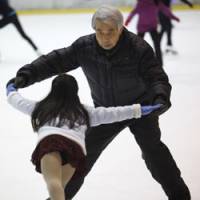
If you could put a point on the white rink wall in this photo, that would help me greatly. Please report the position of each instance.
(61, 4)
(49, 4)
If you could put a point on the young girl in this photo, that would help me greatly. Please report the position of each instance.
(61, 121)
(148, 21)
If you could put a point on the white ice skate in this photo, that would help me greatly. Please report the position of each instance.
(38, 52)
(171, 50)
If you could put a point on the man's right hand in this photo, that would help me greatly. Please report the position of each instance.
(19, 82)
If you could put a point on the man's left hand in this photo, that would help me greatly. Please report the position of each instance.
(165, 105)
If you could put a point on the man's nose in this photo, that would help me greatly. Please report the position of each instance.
(106, 36)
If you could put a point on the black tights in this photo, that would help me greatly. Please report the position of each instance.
(156, 42)
(14, 20)
(166, 26)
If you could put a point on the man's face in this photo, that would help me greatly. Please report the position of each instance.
(107, 34)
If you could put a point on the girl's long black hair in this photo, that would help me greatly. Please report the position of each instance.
(61, 106)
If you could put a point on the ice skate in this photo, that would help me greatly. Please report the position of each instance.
(38, 52)
(171, 50)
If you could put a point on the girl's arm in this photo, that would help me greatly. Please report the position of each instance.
(102, 115)
(20, 103)
(166, 11)
(188, 3)
(131, 15)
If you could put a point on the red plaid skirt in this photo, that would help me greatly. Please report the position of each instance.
(69, 150)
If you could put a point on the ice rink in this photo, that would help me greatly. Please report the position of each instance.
(120, 173)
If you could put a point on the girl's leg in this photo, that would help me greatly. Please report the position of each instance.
(67, 173)
(156, 43)
(51, 167)
(161, 33)
(18, 26)
(169, 33)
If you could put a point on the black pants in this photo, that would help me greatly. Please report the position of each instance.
(14, 20)
(156, 155)
(156, 42)
(166, 27)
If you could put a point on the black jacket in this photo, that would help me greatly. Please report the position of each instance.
(5, 8)
(129, 73)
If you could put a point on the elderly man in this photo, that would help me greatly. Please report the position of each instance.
(121, 69)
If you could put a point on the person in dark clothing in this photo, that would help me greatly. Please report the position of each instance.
(147, 11)
(9, 16)
(121, 69)
(166, 26)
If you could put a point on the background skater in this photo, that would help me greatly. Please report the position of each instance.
(9, 16)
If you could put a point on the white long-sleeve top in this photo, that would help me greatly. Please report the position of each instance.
(99, 115)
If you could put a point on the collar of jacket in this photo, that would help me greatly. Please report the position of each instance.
(111, 52)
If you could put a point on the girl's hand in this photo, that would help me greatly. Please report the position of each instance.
(148, 109)
(10, 88)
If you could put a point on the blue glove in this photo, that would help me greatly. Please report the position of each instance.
(10, 88)
(148, 109)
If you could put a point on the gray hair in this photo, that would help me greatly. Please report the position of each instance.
(106, 12)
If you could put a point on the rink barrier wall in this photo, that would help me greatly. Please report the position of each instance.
(60, 4)
(64, 4)
(92, 10)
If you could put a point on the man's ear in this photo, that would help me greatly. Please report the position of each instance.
(120, 30)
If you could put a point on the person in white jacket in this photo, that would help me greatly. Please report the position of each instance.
(61, 121)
